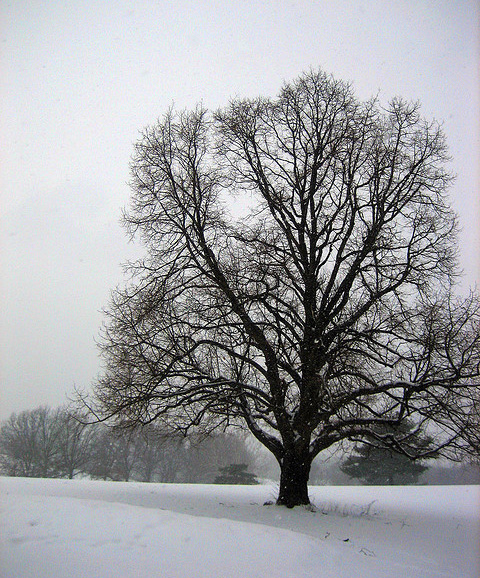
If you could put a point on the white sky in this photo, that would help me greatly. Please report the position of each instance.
(80, 79)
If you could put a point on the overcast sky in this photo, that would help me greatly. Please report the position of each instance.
(79, 80)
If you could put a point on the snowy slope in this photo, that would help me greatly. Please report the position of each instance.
(77, 529)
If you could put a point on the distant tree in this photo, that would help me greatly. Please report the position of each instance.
(48, 433)
(18, 445)
(447, 475)
(327, 311)
(119, 454)
(168, 458)
(102, 458)
(128, 448)
(73, 444)
(29, 443)
(377, 463)
(236, 474)
(60, 442)
(160, 455)
(203, 456)
(165, 456)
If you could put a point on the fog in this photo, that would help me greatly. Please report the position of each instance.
(80, 80)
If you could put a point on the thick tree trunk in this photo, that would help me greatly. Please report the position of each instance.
(294, 474)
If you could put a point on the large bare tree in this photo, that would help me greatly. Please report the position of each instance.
(326, 311)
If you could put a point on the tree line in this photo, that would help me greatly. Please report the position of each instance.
(59, 443)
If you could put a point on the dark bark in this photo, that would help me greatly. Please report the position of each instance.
(294, 473)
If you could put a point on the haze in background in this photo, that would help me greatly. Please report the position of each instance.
(79, 80)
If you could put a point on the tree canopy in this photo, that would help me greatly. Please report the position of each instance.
(326, 311)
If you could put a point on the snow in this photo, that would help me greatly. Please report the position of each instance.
(83, 528)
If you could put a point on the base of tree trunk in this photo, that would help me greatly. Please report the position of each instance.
(294, 474)
(292, 501)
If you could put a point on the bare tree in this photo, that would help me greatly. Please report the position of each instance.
(74, 442)
(18, 445)
(204, 456)
(101, 463)
(324, 313)
(115, 453)
(162, 454)
(28, 443)
(128, 449)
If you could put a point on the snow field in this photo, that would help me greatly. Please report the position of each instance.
(81, 528)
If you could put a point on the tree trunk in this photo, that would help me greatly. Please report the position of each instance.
(294, 474)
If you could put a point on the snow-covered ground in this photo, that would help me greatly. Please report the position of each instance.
(87, 529)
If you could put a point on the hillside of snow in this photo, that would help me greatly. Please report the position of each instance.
(90, 529)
